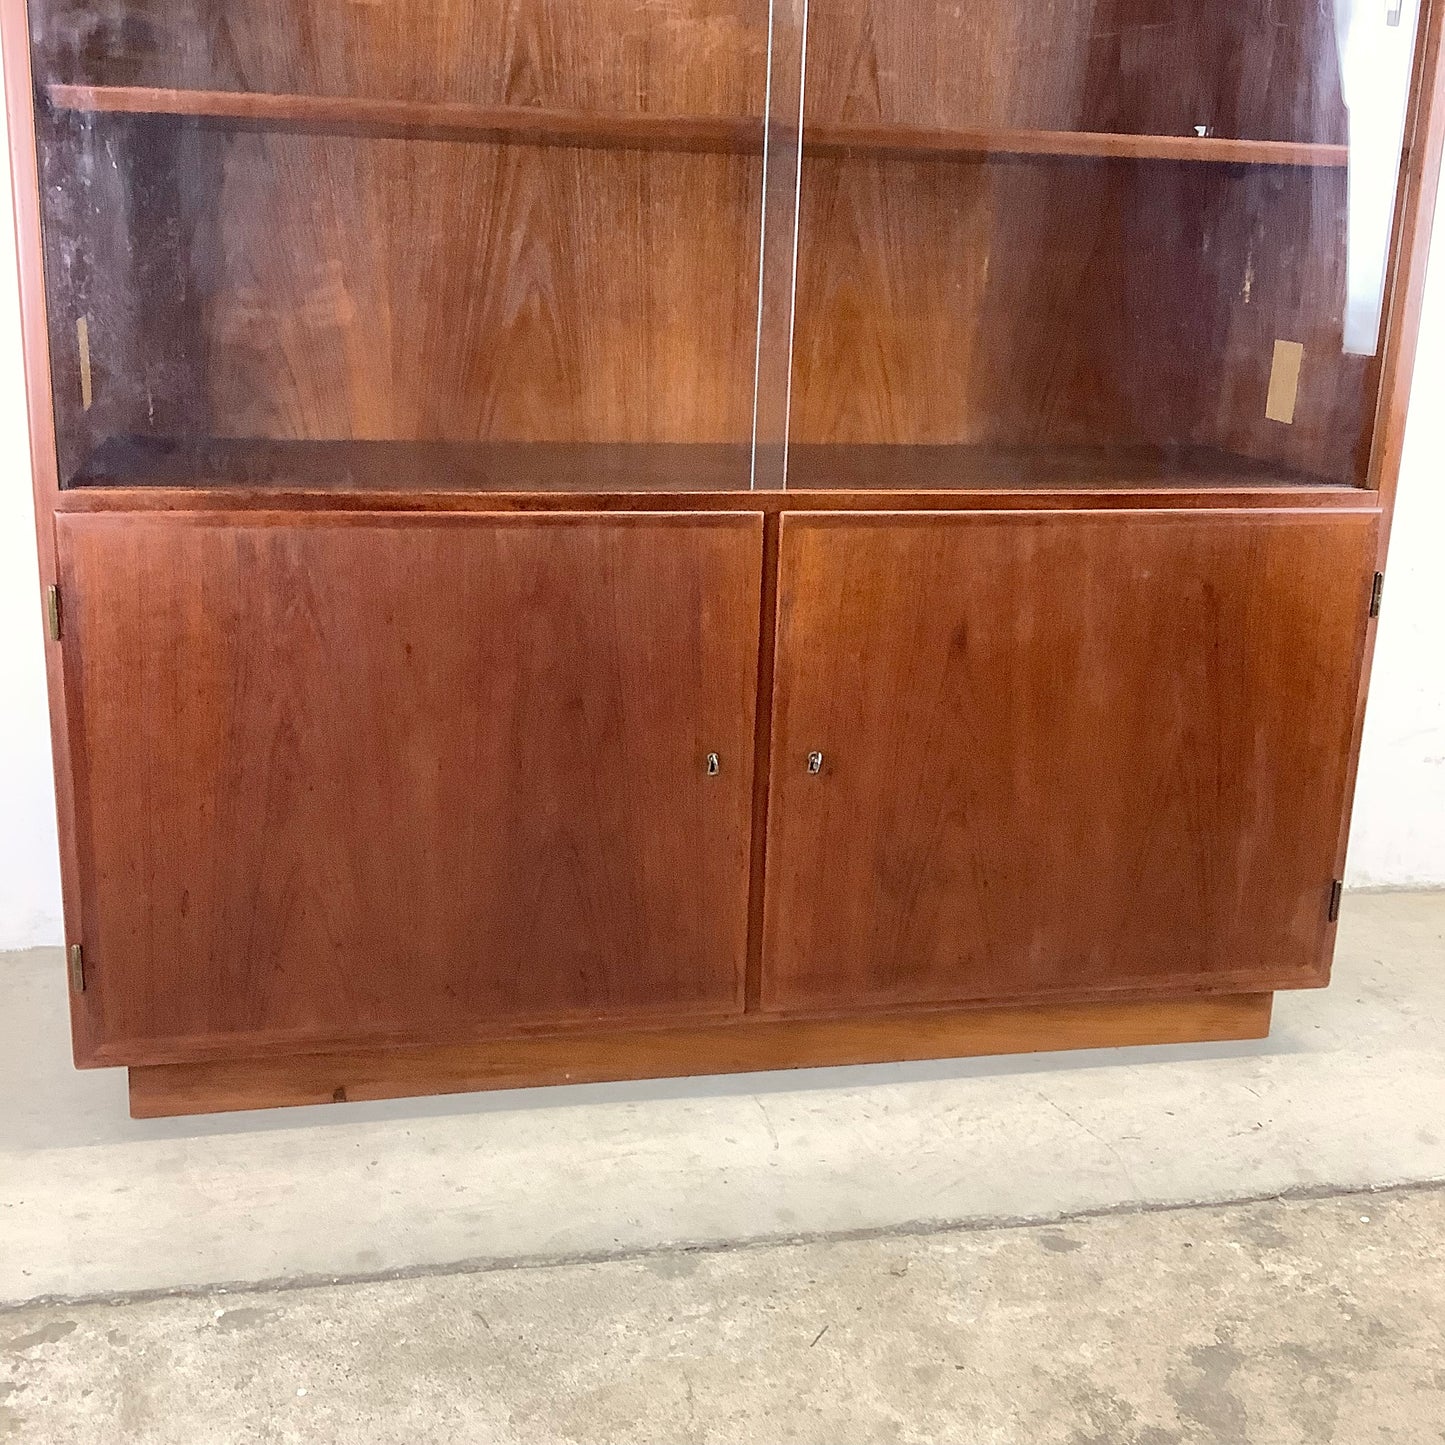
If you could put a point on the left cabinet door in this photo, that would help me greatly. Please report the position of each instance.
(371, 778)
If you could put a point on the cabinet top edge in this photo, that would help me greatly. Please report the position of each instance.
(698, 504)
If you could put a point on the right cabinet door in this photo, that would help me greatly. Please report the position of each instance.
(1049, 755)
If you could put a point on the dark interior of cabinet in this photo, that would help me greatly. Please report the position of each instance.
(441, 244)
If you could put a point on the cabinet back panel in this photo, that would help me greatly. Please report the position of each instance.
(244, 283)
(1062, 755)
(441, 291)
(237, 282)
(1260, 71)
(354, 288)
(1075, 303)
(404, 779)
(659, 56)
(1146, 66)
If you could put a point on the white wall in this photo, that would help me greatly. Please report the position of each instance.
(1399, 829)
(1398, 834)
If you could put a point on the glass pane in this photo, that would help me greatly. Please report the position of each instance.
(1094, 242)
(426, 243)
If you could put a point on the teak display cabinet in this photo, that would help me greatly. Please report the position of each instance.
(590, 539)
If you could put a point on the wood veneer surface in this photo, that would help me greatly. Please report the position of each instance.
(374, 466)
(342, 285)
(1089, 303)
(536, 125)
(1123, 40)
(679, 57)
(346, 285)
(1058, 752)
(385, 777)
(747, 1045)
(1241, 71)
(1153, 67)
(1093, 304)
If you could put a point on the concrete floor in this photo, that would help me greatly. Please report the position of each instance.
(1346, 1094)
(1308, 1320)
(1278, 1323)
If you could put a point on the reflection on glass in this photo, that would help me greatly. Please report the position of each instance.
(1083, 243)
(713, 244)
(1376, 46)
(426, 244)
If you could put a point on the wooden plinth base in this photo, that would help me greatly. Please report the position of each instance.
(162, 1090)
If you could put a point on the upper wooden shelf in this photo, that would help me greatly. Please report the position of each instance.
(418, 120)
(425, 120)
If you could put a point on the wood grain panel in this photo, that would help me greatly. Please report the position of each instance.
(747, 1045)
(1083, 304)
(363, 467)
(1139, 66)
(481, 292)
(535, 125)
(851, 139)
(1100, 494)
(1162, 67)
(354, 287)
(367, 469)
(380, 779)
(1092, 303)
(442, 120)
(1063, 756)
(337, 287)
(665, 56)
(1005, 304)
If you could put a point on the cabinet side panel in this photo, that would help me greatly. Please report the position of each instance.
(1060, 756)
(401, 779)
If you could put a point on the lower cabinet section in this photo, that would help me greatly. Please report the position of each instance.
(1028, 756)
(354, 785)
(376, 777)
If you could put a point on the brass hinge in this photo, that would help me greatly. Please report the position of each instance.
(1376, 593)
(77, 968)
(52, 612)
(1337, 891)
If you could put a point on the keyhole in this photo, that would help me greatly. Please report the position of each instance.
(815, 762)
(714, 765)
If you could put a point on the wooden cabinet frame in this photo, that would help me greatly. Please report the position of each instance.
(577, 1050)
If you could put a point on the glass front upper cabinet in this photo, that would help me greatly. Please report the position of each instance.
(1094, 242)
(415, 244)
(585, 245)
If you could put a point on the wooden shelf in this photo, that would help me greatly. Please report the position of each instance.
(415, 466)
(641, 468)
(1007, 468)
(421, 120)
(831, 138)
(418, 120)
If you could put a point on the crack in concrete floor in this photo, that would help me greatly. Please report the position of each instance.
(1281, 1322)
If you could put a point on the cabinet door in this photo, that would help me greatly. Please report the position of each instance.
(1061, 754)
(391, 778)
(1150, 243)
(370, 244)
